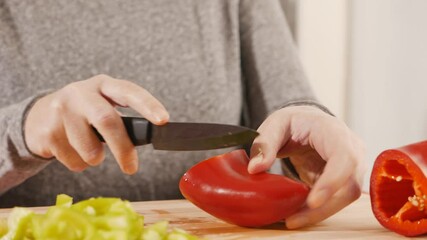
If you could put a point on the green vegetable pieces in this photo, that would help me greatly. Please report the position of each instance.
(95, 218)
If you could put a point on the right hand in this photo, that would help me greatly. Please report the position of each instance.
(60, 124)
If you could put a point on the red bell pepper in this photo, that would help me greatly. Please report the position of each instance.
(399, 187)
(223, 187)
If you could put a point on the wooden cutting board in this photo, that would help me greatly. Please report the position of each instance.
(354, 222)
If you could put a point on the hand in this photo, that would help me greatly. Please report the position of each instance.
(325, 153)
(59, 124)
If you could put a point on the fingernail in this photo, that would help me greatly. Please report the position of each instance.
(318, 198)
(255, 161)
(296, 222)
(162, 117)
(131, 167)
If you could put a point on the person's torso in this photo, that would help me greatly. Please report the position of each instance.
(186, 53)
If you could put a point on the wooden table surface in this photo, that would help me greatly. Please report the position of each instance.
(354, 222)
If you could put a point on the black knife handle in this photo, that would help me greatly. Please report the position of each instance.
(138, 129)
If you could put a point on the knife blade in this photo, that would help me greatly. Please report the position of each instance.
(185, 136)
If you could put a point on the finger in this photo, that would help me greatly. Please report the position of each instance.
(128, 94)
(341, 199)
(82, 138)
(332, 179)
(273, 134)
(66, 154)
(109, 124)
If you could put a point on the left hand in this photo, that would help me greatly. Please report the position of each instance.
(325, 152)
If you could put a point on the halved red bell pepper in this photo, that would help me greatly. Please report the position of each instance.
(223, 187)
(398, 189)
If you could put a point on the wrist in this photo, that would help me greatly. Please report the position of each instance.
(309, 103)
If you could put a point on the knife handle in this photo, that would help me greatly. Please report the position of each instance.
(138, 129)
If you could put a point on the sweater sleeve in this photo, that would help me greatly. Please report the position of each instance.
(272, 73)
(17, 163)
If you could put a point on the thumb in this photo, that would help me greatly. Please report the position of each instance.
(273, 134)
(261, 158)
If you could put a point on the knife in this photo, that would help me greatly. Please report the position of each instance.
(185, 136)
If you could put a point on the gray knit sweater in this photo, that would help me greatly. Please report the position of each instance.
(224, 61)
